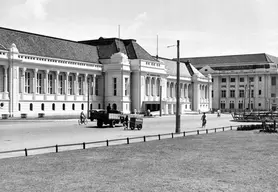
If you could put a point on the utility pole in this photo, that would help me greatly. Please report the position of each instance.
(178, 89)
(160, 102)
(249, 107)
(88, 102)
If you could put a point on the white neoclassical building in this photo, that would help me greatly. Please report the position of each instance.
(42, 74)
(241, 82)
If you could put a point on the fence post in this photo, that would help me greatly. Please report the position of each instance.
(144, 138)
(184, 133)
(231, 127)
(197, 132)
(56, 148)
(158, 136)
(84, 147)
(127, 140)
(107, 142)
(26, 154)
(223, 129)
(215, 130)
(206, 131)
(172, 135)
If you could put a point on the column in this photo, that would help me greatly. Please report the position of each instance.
(46, 82)
(85, 84)
(76, 84)
(57, 82)
(67, 83)
(94, 84)
(5, 79)
(35, 81)
(154, 87)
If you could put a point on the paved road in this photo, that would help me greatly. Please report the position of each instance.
(28, 134)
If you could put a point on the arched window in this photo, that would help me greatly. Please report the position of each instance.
(42, 106)
(189, 92)
(168, 87)
(157, 87)
(73, 106)
(53, 106)
(152, 86)
(99, 105)
(185, 90)
(91, 106)
(31, 106)
(147, 85)
(64, 106)
(206, 92)
(171, 89)
(82, 106)
(114, 106)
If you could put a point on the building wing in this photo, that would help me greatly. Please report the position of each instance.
(45, 46)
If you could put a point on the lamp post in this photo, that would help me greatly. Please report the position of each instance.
(178, 88)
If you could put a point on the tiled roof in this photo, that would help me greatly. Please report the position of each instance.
(232, 59)
(171, 67)
(108, 46)
(40, 45)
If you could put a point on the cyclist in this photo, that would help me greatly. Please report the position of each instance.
(82, 117)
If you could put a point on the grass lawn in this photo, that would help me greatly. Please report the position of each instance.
(225, 161)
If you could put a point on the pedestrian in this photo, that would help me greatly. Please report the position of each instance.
(108, 108)
(135, 111)
(218, 113)
(126, 122)
(204, 121)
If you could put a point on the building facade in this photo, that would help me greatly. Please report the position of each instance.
(41, 74)
(241, 82)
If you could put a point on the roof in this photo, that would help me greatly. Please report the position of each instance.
(171, 67)
(40, 45)
(108, 46)
(232, 59)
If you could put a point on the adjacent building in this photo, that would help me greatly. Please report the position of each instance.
(54, 76)
(241, 82)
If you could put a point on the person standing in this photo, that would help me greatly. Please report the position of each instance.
(204, 121)
(108, 108)
(218, 113)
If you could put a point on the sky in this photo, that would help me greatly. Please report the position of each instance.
(204, 27)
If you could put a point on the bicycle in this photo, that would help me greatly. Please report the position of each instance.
(85, 121)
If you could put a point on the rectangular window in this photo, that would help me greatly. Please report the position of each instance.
(126, 86)
(252, 93)
(39, 83)
(70, 85)
(273, 95)
(241, 93)
(273, 80)
(232, 93)
(260, 78)
(96, 86)
(60, 86)
(251, 79)
(259, 104)
(50, 83)
(27, 82)
(233, 80)
(115, 86)
(232, 105)
(223, 93)
(260, 92)
(241, 79)
(223, 80)
(222, 105)
(80, 85)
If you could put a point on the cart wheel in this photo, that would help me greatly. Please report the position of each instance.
(99, 123)
(79, 122)
(132, 127)
(139, 127)
(85, 121)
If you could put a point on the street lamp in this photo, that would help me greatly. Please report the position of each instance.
(178, 88)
